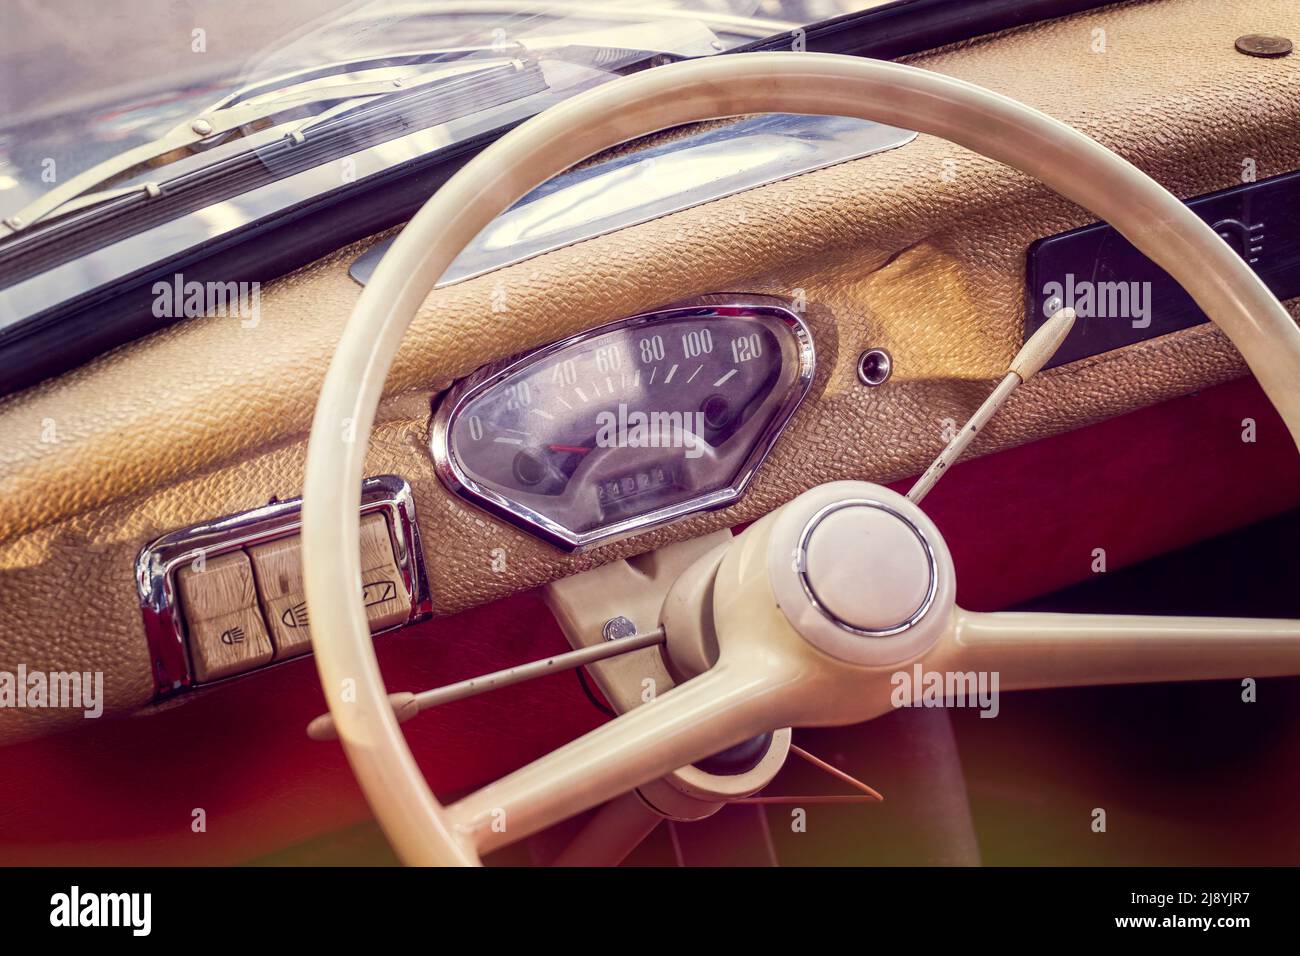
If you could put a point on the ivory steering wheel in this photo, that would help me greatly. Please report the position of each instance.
(777, 667)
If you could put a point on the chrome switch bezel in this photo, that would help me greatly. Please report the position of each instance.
(158, 561)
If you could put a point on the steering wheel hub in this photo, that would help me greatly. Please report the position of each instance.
(861, 573)
(866, 567)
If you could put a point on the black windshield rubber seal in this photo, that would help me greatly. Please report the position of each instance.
(905, 27)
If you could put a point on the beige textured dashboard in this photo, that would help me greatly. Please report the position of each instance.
(919, 250)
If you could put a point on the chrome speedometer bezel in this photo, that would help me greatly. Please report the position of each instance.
(460, 483)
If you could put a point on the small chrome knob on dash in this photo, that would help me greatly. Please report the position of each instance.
(874, 367)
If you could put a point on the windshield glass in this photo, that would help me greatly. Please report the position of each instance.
(85, 80)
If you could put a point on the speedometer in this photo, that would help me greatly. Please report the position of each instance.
(629, 425)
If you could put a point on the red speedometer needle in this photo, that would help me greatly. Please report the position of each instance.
(575, 449)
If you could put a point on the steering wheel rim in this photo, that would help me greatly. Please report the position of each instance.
(1077, 167)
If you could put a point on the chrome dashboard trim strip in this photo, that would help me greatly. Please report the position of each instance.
(456, 480)
(158, 561)
(632, 188)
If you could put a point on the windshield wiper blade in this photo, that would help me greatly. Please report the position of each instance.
(322, 94)
(220, 124)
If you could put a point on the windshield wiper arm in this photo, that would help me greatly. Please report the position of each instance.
(326, 91)
(220, 124)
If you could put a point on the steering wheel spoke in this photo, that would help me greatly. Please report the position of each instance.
(719, 708)
(1033, 650)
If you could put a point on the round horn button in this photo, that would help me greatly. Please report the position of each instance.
(867, 568)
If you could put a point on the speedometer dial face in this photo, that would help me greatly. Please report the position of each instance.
(630, 425)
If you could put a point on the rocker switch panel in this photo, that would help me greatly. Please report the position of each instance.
(226, 596)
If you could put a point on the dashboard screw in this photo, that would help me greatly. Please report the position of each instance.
(617, 627)
(1263, 44)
